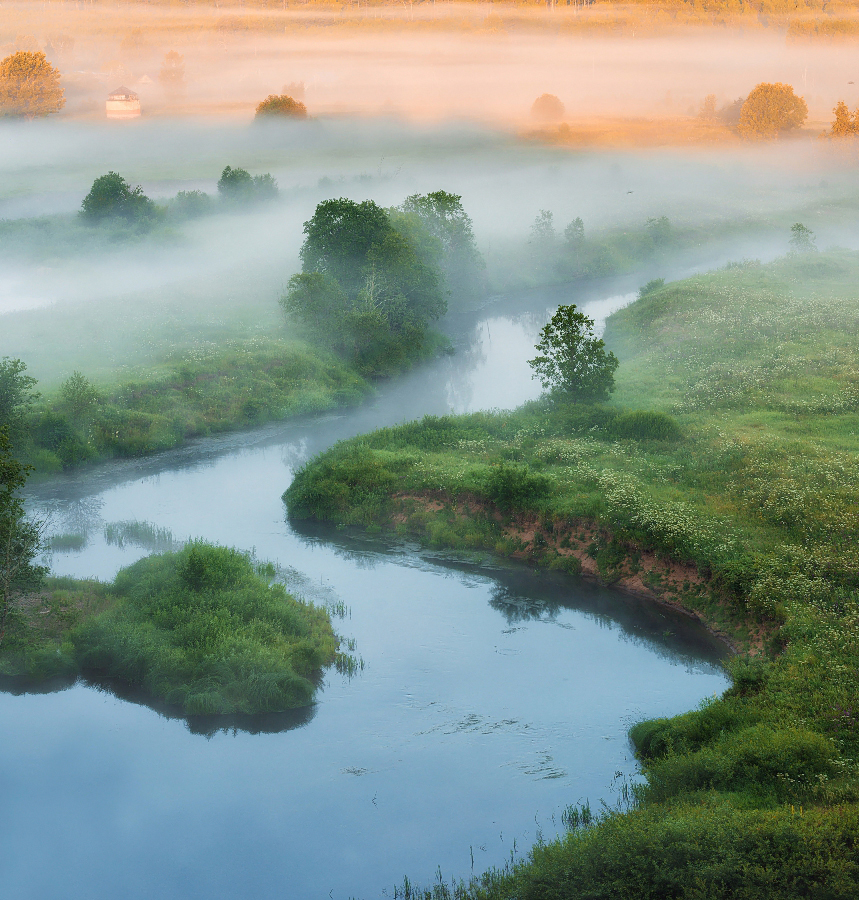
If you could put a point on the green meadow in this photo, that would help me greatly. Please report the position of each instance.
(722, 477)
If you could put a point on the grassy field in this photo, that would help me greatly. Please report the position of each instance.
(722, 477)
(201, 629)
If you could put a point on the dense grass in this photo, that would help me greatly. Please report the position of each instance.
(231, 385)
(202, 630)
(730, 446)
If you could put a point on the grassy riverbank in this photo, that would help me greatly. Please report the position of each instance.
(202, 630)
(722, 477)
(228, 386)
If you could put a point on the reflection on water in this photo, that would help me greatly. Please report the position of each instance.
(492, 696)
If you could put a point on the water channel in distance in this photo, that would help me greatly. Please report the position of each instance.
(492, 696)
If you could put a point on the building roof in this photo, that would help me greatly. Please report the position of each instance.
(122, 93)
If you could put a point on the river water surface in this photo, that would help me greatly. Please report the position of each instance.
(491, 696)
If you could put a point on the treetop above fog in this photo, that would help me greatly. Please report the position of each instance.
(112, 197)
(281, 106)
(29, 86)
(771, 110)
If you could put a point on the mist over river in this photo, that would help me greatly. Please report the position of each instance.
(491, 696)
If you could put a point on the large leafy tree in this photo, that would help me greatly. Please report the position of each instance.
(339, 237)
(369, 285)
(29, 86)
(112, 197)
(771, 110)
(572, 362)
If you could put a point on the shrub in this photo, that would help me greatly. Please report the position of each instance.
(646, 424)
(281, 106)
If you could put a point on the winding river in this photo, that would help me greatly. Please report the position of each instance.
(491, 696)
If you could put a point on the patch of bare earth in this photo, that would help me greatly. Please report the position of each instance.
(641, 573)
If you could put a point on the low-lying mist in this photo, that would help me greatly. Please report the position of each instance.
(228, 268)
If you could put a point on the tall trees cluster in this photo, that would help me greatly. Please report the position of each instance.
(372, 279)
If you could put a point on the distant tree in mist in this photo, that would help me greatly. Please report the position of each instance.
(60, 46)
(543, 230)
(172, 74)
(442, 216)
(574, 233)
(845, 124)
(572, 362)
(802, 239)
(281, 106)
(239, 186)
(771, 110)
(547, 108)
(29, 86)
(730, 112)
(708, 108)
(112, 197)
(190, 204)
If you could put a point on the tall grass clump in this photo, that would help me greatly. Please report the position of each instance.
(200, 630)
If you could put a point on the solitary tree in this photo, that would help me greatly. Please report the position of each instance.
(771, 110)
(844, 125)
(547, 108)
(29, 86)
(112, 197)
(281, 106)
(172, 74)
(802, 239)
(572, 362)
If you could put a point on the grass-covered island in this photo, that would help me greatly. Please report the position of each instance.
(723, 477)
(202, 630)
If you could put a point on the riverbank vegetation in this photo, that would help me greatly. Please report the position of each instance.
(372, 282)
(203, 630)
(721, 476)
(237, 384)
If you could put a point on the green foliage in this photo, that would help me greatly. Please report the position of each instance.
(368, 289)
(199, 629)
(510, 487)
(17, 396)
(280, 106)
(20, 538)
(232, 387)
(802, 239)
(771, 110)
(572, 362)
(237, 186)
(191, 204)
(442, 216)
(112, 198)
(647, 424)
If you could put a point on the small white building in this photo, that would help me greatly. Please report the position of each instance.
(123, 104)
